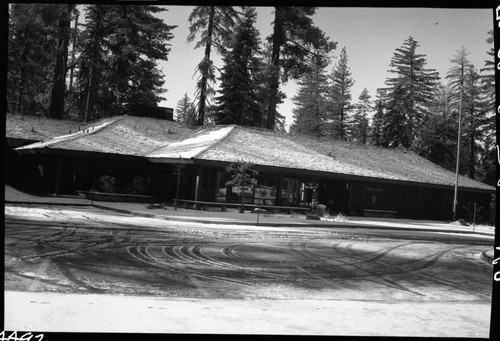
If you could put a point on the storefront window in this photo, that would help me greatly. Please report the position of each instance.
(308, 194)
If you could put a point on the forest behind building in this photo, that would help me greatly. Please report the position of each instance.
(87, 62)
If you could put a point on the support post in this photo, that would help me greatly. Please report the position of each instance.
(474, 220)
(196, 188)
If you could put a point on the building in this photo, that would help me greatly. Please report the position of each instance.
(141, 155)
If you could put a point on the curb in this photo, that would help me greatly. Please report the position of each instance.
(248, 223)
(46, 203)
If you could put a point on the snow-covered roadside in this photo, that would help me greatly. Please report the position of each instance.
(44, 312)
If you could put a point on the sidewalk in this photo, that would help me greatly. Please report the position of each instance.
(232, 217)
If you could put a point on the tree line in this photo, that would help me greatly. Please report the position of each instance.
(113, 64)
(415, 110)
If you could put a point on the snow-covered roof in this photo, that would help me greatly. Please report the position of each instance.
(193, 146)
(270, 148)
(125, 135)
(166, 141)
(37, 128)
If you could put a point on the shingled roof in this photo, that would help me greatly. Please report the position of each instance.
(37, 128)
(124, 135)
(166, 141)
(270, 148)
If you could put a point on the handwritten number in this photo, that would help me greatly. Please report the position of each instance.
(14, 337)
(23, 338)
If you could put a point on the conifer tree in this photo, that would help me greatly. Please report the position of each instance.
(239, 102)
(294, 37)
(377, 121)
(186, 111)
(360, 123)
(121, 47)
(91, 93)
(488, 162)
(340, 96)
(310, 114)
(32, 47)
(474, 121)
(58, 92)
(439, 134)
(410, 92)
(397, 126)
(214, 25)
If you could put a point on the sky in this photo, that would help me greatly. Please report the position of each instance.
(370, 36)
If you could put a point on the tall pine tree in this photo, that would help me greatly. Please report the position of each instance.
(58, 92)
(32, 49)
(438, 141)
(121, 47)
(410, 92)
(294, 37)
(214, 25)
(340, 96)
(488, 163)
(474, 121)
(239, 102)
(377, 121)
(311, 100)
(359, 123)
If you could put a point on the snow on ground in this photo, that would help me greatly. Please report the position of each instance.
(108, 313)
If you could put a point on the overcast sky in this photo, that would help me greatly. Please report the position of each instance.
(370, 35)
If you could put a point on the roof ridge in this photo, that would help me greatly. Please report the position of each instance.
(70, 137)
(232, 127)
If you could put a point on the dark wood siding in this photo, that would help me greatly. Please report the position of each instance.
(410, 202)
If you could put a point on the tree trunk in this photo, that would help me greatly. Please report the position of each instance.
(73, 55)
(275, 70)
(204, 76)
(56, 109)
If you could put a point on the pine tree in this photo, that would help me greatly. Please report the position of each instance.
(411, 90)
(186, 111)
(439, 134)
(360, 123)
(294, 37)
(377, 121)
(397, 127)
(214, 24)
(121, 46)
(340, 96)
(488, 162)
(137, 41)
(474, 120)
(239, 102)
(91, 92)
(58, 92)
(311, 99)
(32, 48)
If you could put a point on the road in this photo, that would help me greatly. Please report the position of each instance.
(79, 250)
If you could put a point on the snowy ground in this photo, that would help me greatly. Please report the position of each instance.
(83, 269)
